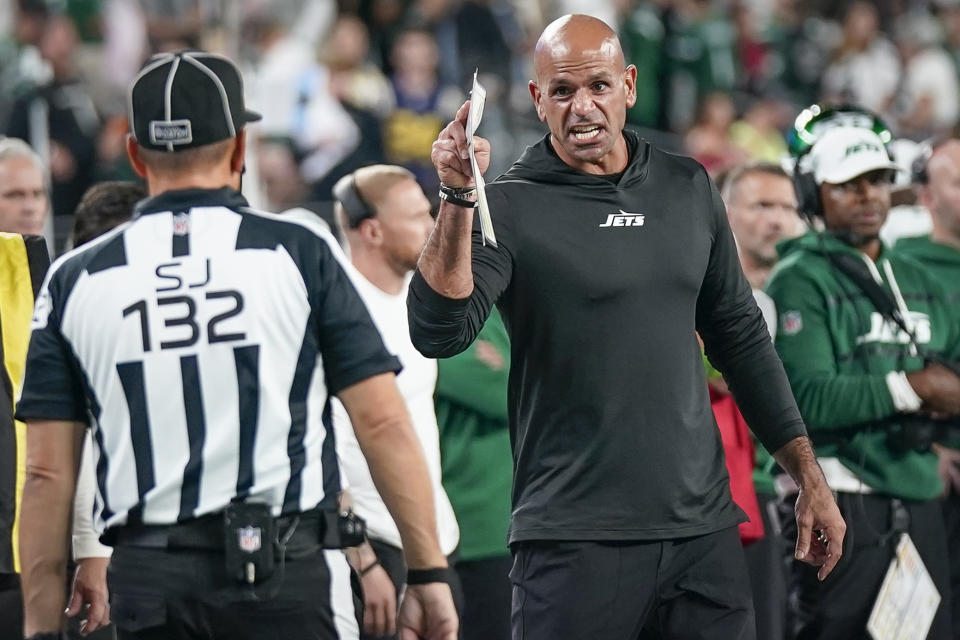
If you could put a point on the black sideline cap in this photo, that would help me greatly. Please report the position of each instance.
(188, 99)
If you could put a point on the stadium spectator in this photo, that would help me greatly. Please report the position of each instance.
(21, 66)
(928, 101)
(643, 32)
(709, 142)
(363, 92)
(423, 105)
(293, 91)
(353, 78)
(757, 133)
(70, 126)
(177, 24)
(702, 55)
(865, 69)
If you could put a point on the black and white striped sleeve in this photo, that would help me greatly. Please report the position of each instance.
(53, 385)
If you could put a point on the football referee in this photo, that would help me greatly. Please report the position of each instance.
(202, 343)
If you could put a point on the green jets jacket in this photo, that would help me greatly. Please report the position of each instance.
(943, 262)
(837, 351)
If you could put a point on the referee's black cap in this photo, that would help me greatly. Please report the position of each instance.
(187, 99)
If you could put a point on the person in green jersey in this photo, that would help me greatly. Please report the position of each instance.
(862, 383)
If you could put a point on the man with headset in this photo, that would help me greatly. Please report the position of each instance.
(863, 373)
(937, 172)
(385, 219)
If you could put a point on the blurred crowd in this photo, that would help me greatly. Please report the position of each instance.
(347, 83)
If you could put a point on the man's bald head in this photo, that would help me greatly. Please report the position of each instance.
(576, 36)
(582, 91)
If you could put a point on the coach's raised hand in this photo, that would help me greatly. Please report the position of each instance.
(450, 155)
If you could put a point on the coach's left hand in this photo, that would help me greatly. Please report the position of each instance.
(820, 527)
(427, 611)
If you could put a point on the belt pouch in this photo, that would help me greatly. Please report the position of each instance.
(249, 534)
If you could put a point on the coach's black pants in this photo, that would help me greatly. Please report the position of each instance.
(838, 608)
(688, 589)
(162, 594)
(486, 598)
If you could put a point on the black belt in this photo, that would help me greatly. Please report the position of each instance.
(207, 533)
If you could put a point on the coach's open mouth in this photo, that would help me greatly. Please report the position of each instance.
(584, 133)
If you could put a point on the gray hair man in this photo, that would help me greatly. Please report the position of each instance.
(23, 190)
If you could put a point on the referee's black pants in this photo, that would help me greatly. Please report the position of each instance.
(11, 606)
(838, 608)
(173, 594)
(687, 589)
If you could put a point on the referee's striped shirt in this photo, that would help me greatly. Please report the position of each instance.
(201, 342)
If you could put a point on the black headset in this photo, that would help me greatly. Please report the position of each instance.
(807, 128)
(805, 185)
(355, 208)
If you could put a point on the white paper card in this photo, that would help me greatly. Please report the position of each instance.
(478, 95)
(908, 599)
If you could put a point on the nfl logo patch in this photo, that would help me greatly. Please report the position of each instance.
(791, 323)
(249, 539)
(181, 224)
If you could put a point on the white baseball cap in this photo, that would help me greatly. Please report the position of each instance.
(843, 153)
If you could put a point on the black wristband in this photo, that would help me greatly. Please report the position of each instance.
(466, 204)
(370, 567)
(426, 576)
(454, 195)
(45, 635)
(457, 191)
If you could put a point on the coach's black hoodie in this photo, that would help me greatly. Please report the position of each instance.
(603, 283)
